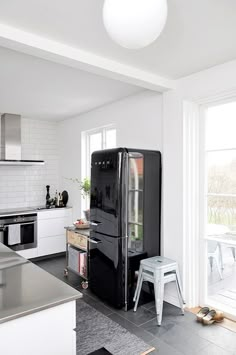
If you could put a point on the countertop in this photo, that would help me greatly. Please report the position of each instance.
(28, 210)
(25, 288)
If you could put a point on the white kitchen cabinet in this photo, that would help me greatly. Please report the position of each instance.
(51, 232)
(51, 227)
(51, 235)
(54, 213)
(51, 245)
(48, 332)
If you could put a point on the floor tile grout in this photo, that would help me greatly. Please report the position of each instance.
(147, 321)
(109, 314)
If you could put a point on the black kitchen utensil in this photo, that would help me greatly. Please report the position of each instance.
(48, 196)
(65, 198)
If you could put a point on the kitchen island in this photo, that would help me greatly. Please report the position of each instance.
(37, 311)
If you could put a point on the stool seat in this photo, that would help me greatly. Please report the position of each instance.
(158, 262)
(159, 271)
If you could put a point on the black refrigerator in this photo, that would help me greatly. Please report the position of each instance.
(125, 215)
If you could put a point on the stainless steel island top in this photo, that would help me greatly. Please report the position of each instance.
(25, 288)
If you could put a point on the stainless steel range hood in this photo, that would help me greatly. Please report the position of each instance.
(11, 142)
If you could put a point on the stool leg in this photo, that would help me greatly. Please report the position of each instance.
(139, 287)
(233, 252)
(157, 295)
(221, 256)
(179, 284)
(138, 282)
(161, 298)
(179, 296)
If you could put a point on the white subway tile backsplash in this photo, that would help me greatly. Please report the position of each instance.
(26, 186)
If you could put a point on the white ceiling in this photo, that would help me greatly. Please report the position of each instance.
(41, 89)
(199, 33)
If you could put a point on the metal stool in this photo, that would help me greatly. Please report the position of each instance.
(159, 271)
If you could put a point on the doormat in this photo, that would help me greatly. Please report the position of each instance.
(94, 331)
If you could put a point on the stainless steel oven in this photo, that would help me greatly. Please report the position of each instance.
(28, 230)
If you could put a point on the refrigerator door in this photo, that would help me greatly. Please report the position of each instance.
(105, 205)
(106, 268)
(146, 232)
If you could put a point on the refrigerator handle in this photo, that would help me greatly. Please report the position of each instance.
(95, 223)
(126, 199)
(94, 240)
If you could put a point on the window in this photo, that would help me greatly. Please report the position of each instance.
(221, 165)
(97, 139)
(102, 138)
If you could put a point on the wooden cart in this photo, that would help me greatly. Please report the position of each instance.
(77, 249)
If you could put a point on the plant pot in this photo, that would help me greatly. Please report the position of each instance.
(87, 215)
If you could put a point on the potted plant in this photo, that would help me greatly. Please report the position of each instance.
(84, 187)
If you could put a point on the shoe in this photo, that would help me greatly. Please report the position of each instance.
(202, 313)
(209, 317)
(219, 317)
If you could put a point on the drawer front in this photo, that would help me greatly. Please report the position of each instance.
(77, 240)
(51, 245)
(55, 213)
(52, 227)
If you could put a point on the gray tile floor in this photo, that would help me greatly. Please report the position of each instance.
(177, 335)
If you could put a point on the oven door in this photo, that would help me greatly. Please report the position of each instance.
(28, 232)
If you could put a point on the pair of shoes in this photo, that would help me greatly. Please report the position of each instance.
(207, 316)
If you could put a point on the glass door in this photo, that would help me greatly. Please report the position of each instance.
(220, 207)
(135, 214)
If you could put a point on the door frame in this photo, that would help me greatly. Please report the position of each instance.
(203, 259)
(194, 203)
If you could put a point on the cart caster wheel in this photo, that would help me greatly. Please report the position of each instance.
(65, 272)
(84, 285)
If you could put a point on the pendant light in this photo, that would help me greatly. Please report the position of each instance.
(134, 24)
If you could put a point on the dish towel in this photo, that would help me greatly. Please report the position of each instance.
(14, 235)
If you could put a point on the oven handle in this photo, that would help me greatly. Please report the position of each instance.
(22, 224)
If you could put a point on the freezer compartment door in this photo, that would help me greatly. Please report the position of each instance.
(107, 269)
(105, 192)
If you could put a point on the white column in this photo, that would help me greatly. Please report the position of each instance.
(191, 176)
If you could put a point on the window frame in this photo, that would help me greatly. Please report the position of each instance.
(86, 154)
(88, 135)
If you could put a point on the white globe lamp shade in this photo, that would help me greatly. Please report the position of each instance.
(134, 24)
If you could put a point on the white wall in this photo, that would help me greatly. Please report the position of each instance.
(217, 82)
(23, 186)
(138, 120)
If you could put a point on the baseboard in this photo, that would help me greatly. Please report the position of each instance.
(50, 256)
